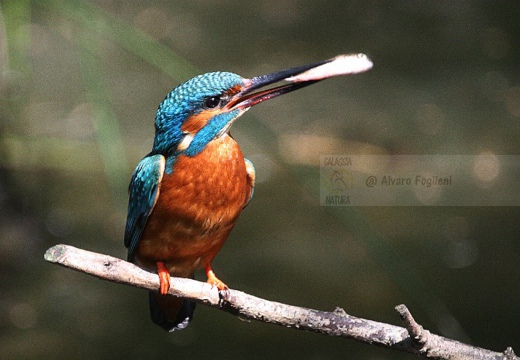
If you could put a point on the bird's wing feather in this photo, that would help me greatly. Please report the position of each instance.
(250, 169)
(144, 191)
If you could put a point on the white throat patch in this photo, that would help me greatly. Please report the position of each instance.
(185, 142)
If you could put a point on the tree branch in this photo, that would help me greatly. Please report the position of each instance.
(412, 338)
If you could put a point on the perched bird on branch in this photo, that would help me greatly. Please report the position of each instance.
(187, 193)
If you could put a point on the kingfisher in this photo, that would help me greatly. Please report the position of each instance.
(186, 195)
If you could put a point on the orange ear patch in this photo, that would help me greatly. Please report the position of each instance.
(196, 122)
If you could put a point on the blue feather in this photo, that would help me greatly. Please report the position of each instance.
(144, 191)
(216, 126)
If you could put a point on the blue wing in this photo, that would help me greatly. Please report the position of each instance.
(144, 191)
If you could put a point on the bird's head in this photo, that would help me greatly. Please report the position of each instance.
(204, 107)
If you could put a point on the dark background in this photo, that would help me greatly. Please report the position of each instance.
(80, 84)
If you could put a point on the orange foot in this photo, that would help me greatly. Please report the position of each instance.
(213, 280)
(164, 278)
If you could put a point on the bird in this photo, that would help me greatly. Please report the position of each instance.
(186, 195)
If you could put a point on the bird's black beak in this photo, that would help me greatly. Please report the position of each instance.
(297, 78)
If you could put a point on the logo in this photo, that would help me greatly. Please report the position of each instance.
(337, 181)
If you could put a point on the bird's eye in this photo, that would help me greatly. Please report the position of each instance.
(212, 102)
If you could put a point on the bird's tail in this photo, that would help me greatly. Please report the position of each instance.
(169, 312)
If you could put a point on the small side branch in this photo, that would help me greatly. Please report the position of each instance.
(412, 338)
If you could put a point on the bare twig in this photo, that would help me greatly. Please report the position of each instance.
(413, 338)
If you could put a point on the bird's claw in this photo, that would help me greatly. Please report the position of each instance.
(214, 281)
(223, 289)
(164, 278)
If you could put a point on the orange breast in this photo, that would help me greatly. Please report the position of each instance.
(198, 205)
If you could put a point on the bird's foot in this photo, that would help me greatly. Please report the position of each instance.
(164, 278)
(214, 281)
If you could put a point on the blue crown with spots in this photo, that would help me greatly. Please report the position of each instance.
(185, 100)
